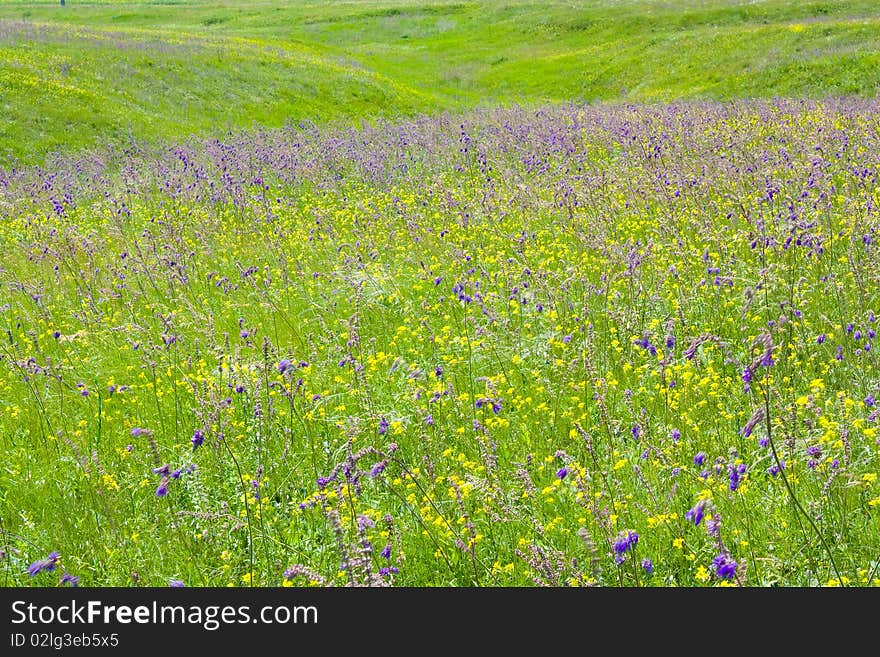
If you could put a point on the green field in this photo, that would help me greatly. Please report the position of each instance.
(440, 294)
(88, 72)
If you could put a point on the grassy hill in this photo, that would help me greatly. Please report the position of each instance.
(73, 76)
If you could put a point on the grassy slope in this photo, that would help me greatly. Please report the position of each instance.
(73, 76)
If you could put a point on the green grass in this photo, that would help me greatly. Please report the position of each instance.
(475, 302)
(93, 72)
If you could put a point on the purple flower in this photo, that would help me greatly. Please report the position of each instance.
(675, 435)
(724, 566)
(197, 439)
(562, 472)
(438, 371)
(763, 442)
(163, 470)
(70, 580)
(713, 525)
(625, 541)
(648, 566)
(735, 474)
(695, 515)
(388, 570)
(48, 564)
(137, 432)
(870, 400)
(56, 334)
(162, 489)
(820, 338)
(636, 431)
(176, 584)
(747, 375)
(386, 551)
(284, 366)
(699, 458)
(383, 426)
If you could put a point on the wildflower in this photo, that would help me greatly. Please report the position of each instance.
(695, 515)
(70, 580)
(735, 474)
(383, 426)
(648, 566)
(197, 439)
(699, 458)
(386, 551)
(562, 472)
(713, 525)
(284, 366)
(625, 541)
(870, 400)
(724, 566)
(162, 489)
(675, 435)
(48, 564)
(176, 584)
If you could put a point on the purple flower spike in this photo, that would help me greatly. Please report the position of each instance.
(70, 580)
(695, 515)
(48, 564)
(724, 566)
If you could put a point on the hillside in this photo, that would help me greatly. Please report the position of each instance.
(90, 72)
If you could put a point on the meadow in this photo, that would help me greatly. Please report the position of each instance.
(524, 340)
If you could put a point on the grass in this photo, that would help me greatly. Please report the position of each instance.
(488, 349)
(439, 294)
(88, 73)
